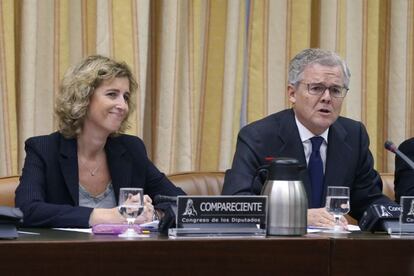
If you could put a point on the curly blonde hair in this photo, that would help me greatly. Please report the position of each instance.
(78, 86)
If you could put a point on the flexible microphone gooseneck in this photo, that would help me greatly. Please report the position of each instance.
(385, 216)
(392, 148)
(164, 198)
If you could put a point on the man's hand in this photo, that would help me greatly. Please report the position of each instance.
(321, 218)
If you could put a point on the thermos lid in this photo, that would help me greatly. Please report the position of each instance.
(284, 168)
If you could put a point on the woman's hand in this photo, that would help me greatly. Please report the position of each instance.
(102, 215)
(148, 213)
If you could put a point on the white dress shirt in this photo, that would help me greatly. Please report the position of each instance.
(306, 135)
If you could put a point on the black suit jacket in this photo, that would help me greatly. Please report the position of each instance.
(404, 175)
(48, 193)
(348, 163)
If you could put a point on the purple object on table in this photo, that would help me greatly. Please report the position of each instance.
(112, 229)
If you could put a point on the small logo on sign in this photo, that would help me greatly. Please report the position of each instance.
(411, 212)
(189, 209)
(384, 212)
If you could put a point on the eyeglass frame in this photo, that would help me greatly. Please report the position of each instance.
(342, 88)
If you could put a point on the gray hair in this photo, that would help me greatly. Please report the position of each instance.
(319, 56)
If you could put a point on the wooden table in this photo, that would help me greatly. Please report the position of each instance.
(56, 252)
(372, 254)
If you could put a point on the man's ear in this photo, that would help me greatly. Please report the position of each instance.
(291, 91)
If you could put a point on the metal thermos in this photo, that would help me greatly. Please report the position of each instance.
(288, 203)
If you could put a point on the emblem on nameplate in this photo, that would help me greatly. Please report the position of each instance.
(411, 212)
(384, 212)
(189, 208)
(407, 209)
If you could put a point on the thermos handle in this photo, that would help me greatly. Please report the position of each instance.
(259, 172)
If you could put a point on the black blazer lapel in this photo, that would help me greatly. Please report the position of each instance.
(68, 160)
(120, 165)
(338, 154)
(292, 146)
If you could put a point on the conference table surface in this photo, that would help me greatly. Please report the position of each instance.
(52, 252)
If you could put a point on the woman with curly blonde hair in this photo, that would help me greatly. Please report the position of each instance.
(72, 177)
(77, 87)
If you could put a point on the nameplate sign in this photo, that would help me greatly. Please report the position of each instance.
(407, 209)
(405, 226)
(224, 210)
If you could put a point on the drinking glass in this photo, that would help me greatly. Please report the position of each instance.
(131, 205)
(337, 204)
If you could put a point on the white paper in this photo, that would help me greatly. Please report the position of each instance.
(81, 230)
(150, 225)
(316, 229)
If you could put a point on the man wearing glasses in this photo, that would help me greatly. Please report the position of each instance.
(334, 149)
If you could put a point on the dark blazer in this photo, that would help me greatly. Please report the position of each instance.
(404, 175)
(48, 193)
(349, 161)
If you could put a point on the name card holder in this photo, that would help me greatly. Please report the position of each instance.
(220, 216)
(406, 222)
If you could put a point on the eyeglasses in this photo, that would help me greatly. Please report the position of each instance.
(319, 89)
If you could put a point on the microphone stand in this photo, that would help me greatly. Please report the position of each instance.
(392, 148)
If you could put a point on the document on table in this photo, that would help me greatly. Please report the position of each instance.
(81, 230)
(153, 225)
(315, 229)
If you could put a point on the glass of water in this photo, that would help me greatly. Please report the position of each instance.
(131, 205)
(337, 204)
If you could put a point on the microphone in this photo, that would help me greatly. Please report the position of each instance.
(381, 217)
(164, 198)
(168, 206)
(392, 148)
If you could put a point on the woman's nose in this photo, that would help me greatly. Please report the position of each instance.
(122, 103)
